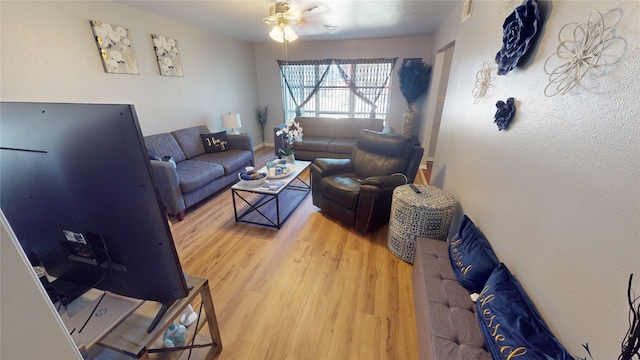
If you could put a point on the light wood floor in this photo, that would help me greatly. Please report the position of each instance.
(312, 290)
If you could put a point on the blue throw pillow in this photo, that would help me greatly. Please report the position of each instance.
(510, 324)
(471, 256)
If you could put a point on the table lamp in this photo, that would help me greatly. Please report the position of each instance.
(231, 121)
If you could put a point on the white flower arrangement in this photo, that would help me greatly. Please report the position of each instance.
(292, 134)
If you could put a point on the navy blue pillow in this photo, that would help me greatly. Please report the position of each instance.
(471, 256)
(510, 324)
(215, 142)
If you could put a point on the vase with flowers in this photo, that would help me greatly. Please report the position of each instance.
(291, 133)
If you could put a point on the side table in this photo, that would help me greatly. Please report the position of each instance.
(413, 215)
(130, 337)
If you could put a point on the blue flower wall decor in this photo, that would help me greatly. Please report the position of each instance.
(519, 32)
(505, 113)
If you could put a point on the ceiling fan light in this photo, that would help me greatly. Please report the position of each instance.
(282, 33)
(277, 34)
(289, 34)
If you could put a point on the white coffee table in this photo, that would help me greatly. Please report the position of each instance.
(286, 198)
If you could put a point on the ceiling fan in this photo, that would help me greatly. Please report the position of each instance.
(281, 17)
(281, 20)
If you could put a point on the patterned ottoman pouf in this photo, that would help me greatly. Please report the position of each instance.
(425, 214)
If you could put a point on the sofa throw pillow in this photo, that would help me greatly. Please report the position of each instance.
(510, 324)
(471, 256)
(170, 159)
(215, 142)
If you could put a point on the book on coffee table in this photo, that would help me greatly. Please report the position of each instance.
(272, 185)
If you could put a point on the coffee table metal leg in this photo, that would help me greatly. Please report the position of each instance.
(278, 211)
(256, 207)
(235, 210)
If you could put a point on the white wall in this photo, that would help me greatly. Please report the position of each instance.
(436, 98)
(26, 315)
(49, 54)
(267, 55)
(558, 194)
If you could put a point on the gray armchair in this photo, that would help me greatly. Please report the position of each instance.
(358, 190)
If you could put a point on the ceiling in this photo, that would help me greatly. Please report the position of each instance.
(327, 19)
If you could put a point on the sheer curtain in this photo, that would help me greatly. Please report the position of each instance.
(367, 79)
(338, 87)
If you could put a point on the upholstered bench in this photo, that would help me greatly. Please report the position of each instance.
(509, 326)
(448, 328)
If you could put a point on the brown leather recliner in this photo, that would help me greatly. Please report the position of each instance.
(358, 190)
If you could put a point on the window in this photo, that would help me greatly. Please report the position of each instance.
(336, 87)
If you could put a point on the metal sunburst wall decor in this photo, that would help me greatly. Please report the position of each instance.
(483, 83)
(579, 50)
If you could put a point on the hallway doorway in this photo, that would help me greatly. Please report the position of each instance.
(441, 71)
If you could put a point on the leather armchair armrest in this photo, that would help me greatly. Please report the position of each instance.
(387, 181)
(327, 167)
(374, 208)
(166, 179)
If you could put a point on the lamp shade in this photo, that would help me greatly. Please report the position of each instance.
(282, 33)
(231, 121)
(276, 34)
(289, 34)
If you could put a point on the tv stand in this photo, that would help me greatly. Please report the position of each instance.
(89, 320)
(163, 310)
(130, 337)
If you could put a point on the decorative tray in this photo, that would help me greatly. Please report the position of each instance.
(290, 168)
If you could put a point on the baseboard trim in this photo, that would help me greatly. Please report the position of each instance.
(260, 146)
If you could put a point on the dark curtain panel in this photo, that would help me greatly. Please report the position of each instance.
(303, 80)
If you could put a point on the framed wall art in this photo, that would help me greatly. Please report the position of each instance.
(169, 62)
(115, 48)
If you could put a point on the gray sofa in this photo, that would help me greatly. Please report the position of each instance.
(448, 328)
(197, 174)
(327, 137)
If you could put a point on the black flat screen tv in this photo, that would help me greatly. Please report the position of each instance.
(77, 190)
